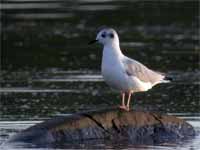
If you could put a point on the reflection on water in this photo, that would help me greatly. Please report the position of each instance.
(48, 69)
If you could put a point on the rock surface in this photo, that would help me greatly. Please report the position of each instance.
(136, 127)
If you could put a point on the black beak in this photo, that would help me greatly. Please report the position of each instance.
(93, 41)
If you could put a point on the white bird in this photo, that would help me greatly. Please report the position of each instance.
(122, 73)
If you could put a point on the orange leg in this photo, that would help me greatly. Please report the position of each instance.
(123, 106)
(128, 102)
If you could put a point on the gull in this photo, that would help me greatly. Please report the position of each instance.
(122, 73)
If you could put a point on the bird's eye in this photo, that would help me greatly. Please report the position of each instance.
(111, 35)
(103, 35)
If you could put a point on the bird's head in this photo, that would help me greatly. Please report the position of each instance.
(107, 36)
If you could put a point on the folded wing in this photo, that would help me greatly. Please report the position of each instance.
(134, 68)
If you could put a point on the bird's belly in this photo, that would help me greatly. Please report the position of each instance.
(115, 78)
(119, 80)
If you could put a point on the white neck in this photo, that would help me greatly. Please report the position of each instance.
(111, 57)
(112, 50)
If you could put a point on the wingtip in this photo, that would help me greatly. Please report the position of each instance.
(168, 79)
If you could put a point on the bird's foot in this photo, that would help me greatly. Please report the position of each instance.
(124, 107)
(127, 108)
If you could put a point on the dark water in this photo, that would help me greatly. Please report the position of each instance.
(48, 69)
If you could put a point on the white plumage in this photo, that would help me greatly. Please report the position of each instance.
(122, 73)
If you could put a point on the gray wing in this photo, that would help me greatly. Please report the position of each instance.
(134, 68)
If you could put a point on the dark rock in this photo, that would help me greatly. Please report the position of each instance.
(114, 125)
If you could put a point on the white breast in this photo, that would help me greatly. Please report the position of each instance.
(112, 70)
